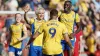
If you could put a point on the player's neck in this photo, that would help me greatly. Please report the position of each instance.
(17, 23)
(53, 19)
(67, 12)
(39, 19)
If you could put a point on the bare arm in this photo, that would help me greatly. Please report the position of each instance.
(33, 37)
(26, 18)
(78, 28)
(67, 40)
(26, 9)
(37, 33)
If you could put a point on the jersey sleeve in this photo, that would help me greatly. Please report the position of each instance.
(41, 28)
(77, 18)
(64, 30)
(32, 20)
(10, 27)
(59, 13)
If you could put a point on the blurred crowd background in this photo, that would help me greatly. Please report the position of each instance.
(88, 10)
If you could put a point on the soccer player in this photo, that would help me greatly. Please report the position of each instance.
(69, 17)
(16, 30)
(36, 46)
(53, 31)
(90, 42)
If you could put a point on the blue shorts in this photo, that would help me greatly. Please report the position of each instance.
(17, 51)
(35, 50)
(65, 46)
(53, 55)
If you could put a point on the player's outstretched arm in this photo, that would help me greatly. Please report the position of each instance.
(26, 9)
(33, 37)
(68, 40)
(78, 28)
(78, 24)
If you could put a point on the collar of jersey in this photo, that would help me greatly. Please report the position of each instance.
(39, 20)
(53, 20)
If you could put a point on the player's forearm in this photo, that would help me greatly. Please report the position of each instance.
(79, 28)
(24, 37)
(31, 40)
(33, 37)
(67, 40)
(26, 18)
(69, 43)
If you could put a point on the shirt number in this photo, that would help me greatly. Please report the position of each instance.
(52, 31)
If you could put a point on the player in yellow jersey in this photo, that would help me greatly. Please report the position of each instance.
(36, 46)
(53, 31)
(16, 30)
(90, 42)
(69, 17)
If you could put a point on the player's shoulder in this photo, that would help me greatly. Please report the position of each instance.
(46, 22)
(60, 12)
(12, 24)
(72, 12)
(60, 23)
(32, 20)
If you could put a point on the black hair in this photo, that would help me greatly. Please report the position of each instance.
(68, 1)
(53, 12)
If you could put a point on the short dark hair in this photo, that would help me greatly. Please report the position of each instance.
(18, 13)
(53, 12)
(68, 1)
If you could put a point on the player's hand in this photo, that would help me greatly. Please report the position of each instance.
(26, 9)
(72, 50)
(71, 36)
(19, 39)
(27, 46)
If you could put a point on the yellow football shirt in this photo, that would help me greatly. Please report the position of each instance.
(53, 33)
(84, 7)
(90, 43)
(69, 20)
(16, 33)
(53, 3)
(37, 24)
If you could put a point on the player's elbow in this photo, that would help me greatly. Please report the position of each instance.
(66, 37)
(67, 40)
